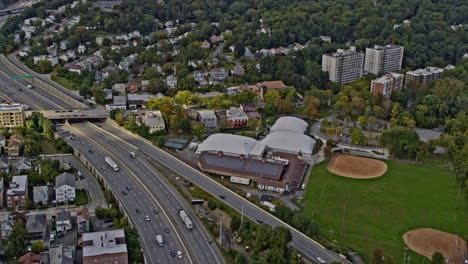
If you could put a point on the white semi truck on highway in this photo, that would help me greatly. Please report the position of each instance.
(188, 222)
(111, 163)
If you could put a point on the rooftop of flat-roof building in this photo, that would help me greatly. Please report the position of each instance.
(104, 242)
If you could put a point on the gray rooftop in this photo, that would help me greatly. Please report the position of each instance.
(65, 179)
(36, 223)
(63, 216)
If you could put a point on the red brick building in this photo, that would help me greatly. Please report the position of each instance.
(17, 194)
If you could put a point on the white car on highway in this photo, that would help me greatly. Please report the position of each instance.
(321, 260)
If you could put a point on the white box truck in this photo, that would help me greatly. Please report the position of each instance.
(187, 221)
(159, 240)
(111, 163)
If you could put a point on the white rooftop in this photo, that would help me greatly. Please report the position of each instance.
(18, 184)
(232, 144)
(103, 243)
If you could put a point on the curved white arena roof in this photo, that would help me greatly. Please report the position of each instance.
(233, 144)
(289, 142)
(289, 123)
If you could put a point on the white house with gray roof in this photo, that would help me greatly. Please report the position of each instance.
(65, 188)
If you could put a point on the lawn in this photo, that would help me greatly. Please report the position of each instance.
(65, 82)
(48, 147)
(375, 213)
(81, 198)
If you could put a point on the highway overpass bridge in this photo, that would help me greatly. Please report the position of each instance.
(72, 114)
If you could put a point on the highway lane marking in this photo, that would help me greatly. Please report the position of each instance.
(256, 208)
(32, 91)
(142, 185)
(203, 229)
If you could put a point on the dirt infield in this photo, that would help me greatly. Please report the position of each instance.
(426, 241)
(356, 167)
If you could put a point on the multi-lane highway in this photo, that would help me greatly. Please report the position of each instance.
(197, 241)
(148, 191)
(36, 98)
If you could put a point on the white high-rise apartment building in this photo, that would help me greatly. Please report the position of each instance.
(343, 66)
(383, 59)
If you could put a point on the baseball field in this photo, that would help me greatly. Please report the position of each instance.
(375, 213)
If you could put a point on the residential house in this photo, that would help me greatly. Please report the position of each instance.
(144, 84)
(236, 117)
(219, 74)
(64, 57)
(41, 195)
(199, 77)
(248, 54)
(30, 258)
(106, 247)
(326, 39)
(82, 219)
(17, 194)
(107, 71)
(138, 101)
(108, 95)
(53, 59)
(205, 44)
(232, 90)
(171, 81)
(52, 50)
(65, 188)
(14, 145)
(63, 221)
(120, 102)
(208, 118)
(238, 70)
(99, 40)
(119, 88)
(70, 54)
(4, 166)
(6, 226)
(154, 120)
(63, 255)
(195, 63)
(36, 226)
(2, 143)
(23, 166)
(215, 39)
(133, 87)
(64, 44)
(75, 68)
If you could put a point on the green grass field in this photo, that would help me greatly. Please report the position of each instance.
(375, 213)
